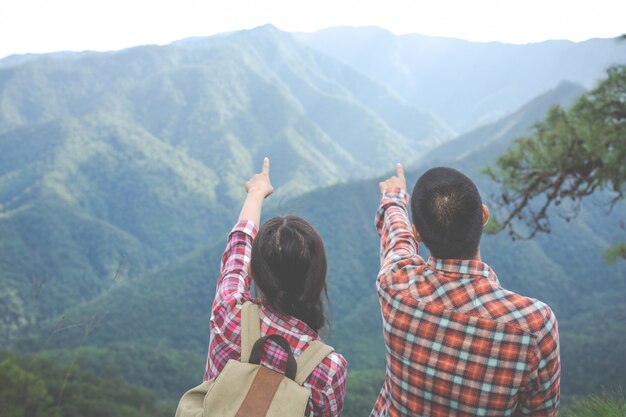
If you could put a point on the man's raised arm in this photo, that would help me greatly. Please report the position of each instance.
(392, 221)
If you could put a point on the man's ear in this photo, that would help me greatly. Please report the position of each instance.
(485, 214)
(416, 234)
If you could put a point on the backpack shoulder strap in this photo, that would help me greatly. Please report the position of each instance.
(250, 328)
(310, 358)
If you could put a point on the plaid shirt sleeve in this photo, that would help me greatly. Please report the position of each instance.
(541, 397)
(329, 403)
(234, 281)
(233, 286)
(394, 228)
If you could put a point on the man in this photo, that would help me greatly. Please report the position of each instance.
(458, 344)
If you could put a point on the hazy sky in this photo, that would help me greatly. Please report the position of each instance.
(53, 25)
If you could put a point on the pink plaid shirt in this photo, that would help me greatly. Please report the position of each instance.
(327, 382)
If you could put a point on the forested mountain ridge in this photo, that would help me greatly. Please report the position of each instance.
(121, 173)
(123, 161)
(170, 308)
(466, 83)
(564, 269)
(494, 138)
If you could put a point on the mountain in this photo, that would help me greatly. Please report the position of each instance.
(118, 163)
(466, 83)
(170, 308)
(18, 59)
(564, 269)
(30, 386)
(121, 174)
(495, 138)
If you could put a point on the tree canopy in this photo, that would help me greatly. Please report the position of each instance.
(572, 154)
(31, 386)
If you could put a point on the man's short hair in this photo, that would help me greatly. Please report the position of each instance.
(447, 212)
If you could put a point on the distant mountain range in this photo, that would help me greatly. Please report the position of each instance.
(121, 173)
(136, 157)
(162, 308)
(466, 83)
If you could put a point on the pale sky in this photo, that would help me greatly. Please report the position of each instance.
(75, 25)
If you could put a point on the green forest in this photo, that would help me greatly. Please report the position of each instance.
(122, 172)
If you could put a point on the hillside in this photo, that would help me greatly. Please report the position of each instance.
(164, 309)
(30, 386)
(466, 83)
(495, 138)
(564, 269)
(118, 163)
(121, 173)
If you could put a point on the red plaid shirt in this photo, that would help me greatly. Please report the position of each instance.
(328, 380)
(458, 344)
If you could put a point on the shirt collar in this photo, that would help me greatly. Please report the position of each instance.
(462, 268)
(286, 320)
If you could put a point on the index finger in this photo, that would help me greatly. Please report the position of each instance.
(400, 170)
(266, 165)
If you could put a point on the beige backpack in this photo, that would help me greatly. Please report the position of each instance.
(248, 389)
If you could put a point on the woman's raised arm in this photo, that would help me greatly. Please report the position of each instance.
(258, 187)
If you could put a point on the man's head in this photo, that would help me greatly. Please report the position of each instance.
(448, 213)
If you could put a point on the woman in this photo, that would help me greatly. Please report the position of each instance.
(287, 263)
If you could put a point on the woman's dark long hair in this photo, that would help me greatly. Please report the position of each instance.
(288, 266)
